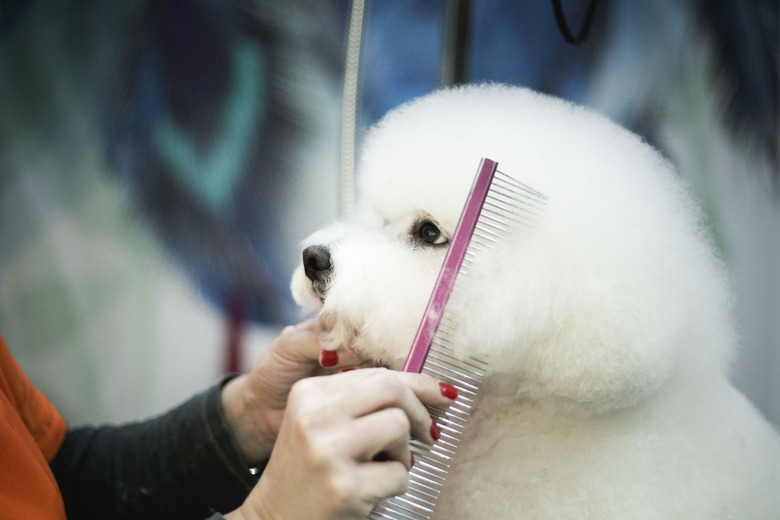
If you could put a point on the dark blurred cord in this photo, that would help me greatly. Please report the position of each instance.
(454, 66)
(585, 27)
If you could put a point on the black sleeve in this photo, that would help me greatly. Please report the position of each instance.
(183, 464)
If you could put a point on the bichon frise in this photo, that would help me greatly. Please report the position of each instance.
(606, 325)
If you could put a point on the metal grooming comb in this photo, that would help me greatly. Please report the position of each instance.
(496, 203)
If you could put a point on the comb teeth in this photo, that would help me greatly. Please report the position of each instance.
(510, 204)
(431, 463)
(497, 204)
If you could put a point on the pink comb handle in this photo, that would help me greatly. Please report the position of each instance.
(450, 268)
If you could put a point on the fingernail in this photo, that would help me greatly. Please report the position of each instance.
(329, 358)
(448, 391)
(435, 431)
(346, 370)
(411, 460)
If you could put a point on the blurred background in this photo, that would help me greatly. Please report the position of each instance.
(161, 160)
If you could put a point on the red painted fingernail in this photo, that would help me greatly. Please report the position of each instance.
(448, 391)
(329, 358)
(411, 460)
(435, 431)
(346, 370)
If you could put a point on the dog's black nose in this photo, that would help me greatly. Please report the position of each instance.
(316, 263)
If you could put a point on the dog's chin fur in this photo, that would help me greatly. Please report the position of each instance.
(607, 325)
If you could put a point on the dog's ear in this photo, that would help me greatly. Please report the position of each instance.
(615, 294)
(591, 342)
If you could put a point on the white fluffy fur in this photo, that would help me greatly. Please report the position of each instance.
(608, 329)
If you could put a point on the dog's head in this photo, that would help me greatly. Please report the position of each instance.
(594, 305)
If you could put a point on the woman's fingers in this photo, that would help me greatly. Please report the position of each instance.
(370, 390)
(345, 441)
(304, 345)
(381, 437)
(340, 358)
(301, 341)
(378, 480)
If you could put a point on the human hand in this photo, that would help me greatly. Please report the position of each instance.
(254, 403)
(344, 444)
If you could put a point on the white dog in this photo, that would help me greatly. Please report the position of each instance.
(607, 327)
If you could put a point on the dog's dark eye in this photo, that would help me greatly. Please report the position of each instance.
(429, 233)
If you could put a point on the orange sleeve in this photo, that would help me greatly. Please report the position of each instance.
(41, 418)
(31, 433)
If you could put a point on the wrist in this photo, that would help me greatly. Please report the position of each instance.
(254, 507)
(244, 415)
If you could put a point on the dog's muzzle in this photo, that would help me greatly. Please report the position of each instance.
(318, 268)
